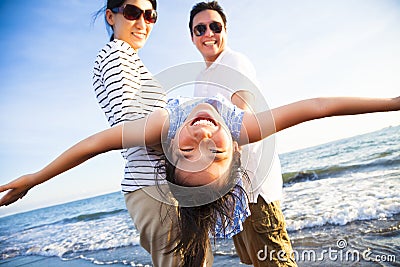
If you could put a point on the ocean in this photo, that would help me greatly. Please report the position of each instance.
(341, 203)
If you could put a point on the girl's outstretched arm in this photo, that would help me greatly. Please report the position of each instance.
(146, 131)
(261, 125)
(306, 110)
(110, 139)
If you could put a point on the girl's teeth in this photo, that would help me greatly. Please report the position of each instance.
(203, 122)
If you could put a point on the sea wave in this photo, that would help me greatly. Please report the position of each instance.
(382, 161)
(91, 216)
(76, 219)
(339, 201)
(74, 236)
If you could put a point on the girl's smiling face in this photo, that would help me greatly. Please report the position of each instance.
(202, 148)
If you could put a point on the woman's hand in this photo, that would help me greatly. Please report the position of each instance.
(17, 189)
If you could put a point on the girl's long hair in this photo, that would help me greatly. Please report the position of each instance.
(197, 223)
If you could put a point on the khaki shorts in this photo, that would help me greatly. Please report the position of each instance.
(156, 221)
(264, 240)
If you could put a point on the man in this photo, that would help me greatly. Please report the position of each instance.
(265, 228)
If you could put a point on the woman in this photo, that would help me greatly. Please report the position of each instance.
(126, 91)
(201, 138)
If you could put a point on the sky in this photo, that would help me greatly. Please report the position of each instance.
(300, 49)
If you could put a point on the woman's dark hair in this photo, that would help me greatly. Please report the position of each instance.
(112, 4)
(199, 7)
(195, 223)
(117, 3)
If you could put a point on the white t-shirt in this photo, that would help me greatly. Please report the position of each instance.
(231, 72)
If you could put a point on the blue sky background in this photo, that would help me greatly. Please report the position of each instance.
(300, 49)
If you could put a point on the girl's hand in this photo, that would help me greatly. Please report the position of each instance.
(17, 189)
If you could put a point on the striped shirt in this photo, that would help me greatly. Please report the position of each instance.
(127, 91)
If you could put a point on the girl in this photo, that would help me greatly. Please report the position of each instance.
(200, 139)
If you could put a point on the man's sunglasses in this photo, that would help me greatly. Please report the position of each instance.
(200, 29)
(132, 12)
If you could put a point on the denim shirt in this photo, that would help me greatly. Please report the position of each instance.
(179, 109)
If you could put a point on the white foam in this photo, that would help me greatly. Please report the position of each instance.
(72, 238)
(341, 200)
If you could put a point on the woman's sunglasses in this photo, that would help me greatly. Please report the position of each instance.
(200, 29)
(132, 12)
